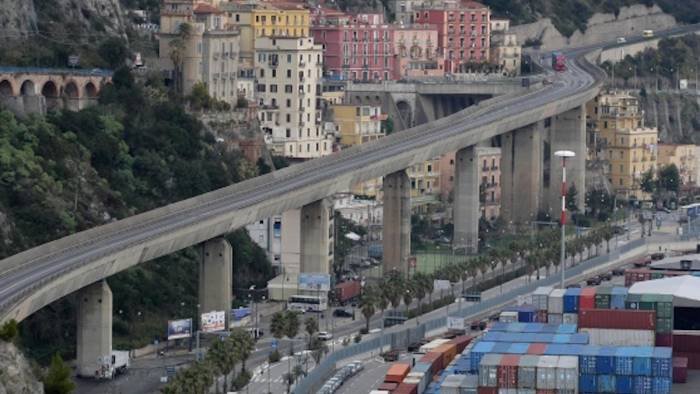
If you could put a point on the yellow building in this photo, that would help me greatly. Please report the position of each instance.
(358, 124)
(425, 178)
(683, 157)
(614, 111)
(632, 153)
(261, 19)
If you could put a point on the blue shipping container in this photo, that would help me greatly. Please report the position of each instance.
(571, 297)
(421, 367)
(605, 361)
(519, 348)
(478, 352)
(643, 385)
(580, 338)
(641, 365)
(624, 384)
(500, 347)
(587, 360)
(533, 328)
(587, 383)
(661, 362)
(606, 384)
(618, 297)
(624, 361)
(567, 329)
(661, 385)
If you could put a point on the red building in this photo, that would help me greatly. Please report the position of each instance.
(355, 47)
(463, 33)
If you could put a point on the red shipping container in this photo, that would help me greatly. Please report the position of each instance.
(461, 341)
(686, 343)
(617, 318)
(536, 348)
(485, 390)
(680, 369)
(541, 316)
(586, 299)
(434, 359)
(397, 372)
(508, 372)
(543, 391)
(405, 388)
(693, 359)
(664, 340)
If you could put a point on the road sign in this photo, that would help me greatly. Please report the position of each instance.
(274, 344)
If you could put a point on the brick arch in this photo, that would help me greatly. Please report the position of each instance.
(71, 90)
(6, 88)
(50, 91)
(27, 88)
(90, 90)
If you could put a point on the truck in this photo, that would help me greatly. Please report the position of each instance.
(347, 291)
(558, 61)
(114, 365)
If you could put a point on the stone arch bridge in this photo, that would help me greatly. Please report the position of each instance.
(25, 90)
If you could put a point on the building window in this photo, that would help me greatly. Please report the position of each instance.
(273, 89)
(288, 88)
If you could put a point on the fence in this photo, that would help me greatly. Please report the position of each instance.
(404, 336)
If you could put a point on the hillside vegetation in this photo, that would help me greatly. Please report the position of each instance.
(137, 150)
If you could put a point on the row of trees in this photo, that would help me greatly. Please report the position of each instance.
(222, 358)
(539, 252)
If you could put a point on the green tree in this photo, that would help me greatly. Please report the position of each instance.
(311, 326)
(647, 182)
(8, 332)
(572, 198)
(57, 379)
(291, 328)
(388, 126)
(114, 52)
(178, 51)
(367, 301)
(669, 178)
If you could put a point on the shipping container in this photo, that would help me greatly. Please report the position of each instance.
(556, 302)
(448, 351)
(587, 360)
(621, 319)
(526, 313)
(624, 384)
(664, 339)
(508, 371)
(477, 353)
(586, 298)
(517, 348)
(566, 329)
(405, 388)
(606, 383)
(662, 362)
(567, 374)
(642, 361)
(488, 370)
(389, 387)
(536, 348)
(547, 372)
(423, 367)
(684, 342)
(570, 318)
(587, 383)
(541, 316)
(605, 361)
(508, 317)
(693, 359)
(434, 360)
(680, 369)
(461, 342)
(346, 291)
(602, 297)
(664, 325)
(624, 361)
(487, 390)
(619, 337)
(452, 384)
(527, 372)
(397, 372)
(432, 345)
(618, 297)
(661, 385)
(540, 297)
(571, 300)
(418, 378)
(643, 385)
(379, 392)
(632, 301)
(555, 318)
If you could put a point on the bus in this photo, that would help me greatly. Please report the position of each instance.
(648, 33)
(558, 61)
(689, 212)
(307, 303)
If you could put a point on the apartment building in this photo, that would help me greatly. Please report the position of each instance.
(505, 49)
(356, 47)
(415, 51)
(288, 72)
(683, 156)
(208, 54)
(358, 124)
(464, 31)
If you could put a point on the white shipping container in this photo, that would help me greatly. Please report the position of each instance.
(570, 318)
(432, 345)
(619, 337)
(540, 297)
(417, 381)
(556, 301)
(547, 372)
(452, 384)
(567, 373)
(555, 318)
(527, 371)
(378, 392)
(488, 370)
(508, 317)
(420, 377)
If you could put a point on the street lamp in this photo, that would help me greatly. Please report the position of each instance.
(563, 154)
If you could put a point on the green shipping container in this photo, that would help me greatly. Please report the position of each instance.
(602, 297)
(664, 306)
(664, 325)
(632, 301)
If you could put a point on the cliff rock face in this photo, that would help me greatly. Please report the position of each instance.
(630, 21)
(22, 17)
(16, 375)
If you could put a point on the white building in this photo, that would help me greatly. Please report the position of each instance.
(361, 212)
(267, 233)
(505, 49)
(288, 72)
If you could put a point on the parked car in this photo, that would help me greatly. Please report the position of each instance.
(573, 286)
(594, 281)
(390, 356)
(618, 271)
(341, 313)
(657, 256)
(606, 276)
(324, 335)
(621, 40)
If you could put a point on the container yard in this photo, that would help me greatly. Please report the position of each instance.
(605, 339)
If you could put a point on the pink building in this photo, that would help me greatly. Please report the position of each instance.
(356, 47)
(415, 52)
(463, 33)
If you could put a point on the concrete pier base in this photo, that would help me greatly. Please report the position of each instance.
(317, 237)
(94, 330)
(466, 200)
(521, 174)
(216, 277)
(396, 231)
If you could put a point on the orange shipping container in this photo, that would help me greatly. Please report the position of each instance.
(435, 361)
(397, 372)
(461, 342)
(448, 350)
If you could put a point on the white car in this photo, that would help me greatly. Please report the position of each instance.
(325, 335)
(621, 40)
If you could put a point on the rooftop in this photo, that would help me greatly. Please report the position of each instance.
(206, 8)
(684, 289)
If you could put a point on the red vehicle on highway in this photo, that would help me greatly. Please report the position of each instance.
(558, 61)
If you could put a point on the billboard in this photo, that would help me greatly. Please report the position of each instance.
(179, 328)
(455, 323)
(213, 321)
(441, 284)
(314, 281)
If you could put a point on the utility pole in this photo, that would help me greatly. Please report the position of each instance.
(563, 154)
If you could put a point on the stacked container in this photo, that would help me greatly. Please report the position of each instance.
(397, 372)
(508, 317)
(680, 369)
(540, 298)
(571, 304)
(525, 313)
(618, 297)
(418, 378)
(527, 372)
(602, 297)
(586, 299)
(555, 306)
(488, 370)
(547, 372)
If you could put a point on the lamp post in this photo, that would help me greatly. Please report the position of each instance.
(563, 154)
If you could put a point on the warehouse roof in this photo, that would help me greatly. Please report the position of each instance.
(684, 289)
(691, 262)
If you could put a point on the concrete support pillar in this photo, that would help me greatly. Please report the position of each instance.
(521, 173)
(466, 200)
(94, 330)
(216, 277)
(396, 231)
(317, 237)
(568, 132)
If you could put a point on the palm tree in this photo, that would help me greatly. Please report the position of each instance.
(418, 286)
(367, 301)
(311, 326)
(407, 297)
(291, 328)
(381, 300)
(219, 355)
(608, 233)
(242, 345)
(277, 325)
(178, 50)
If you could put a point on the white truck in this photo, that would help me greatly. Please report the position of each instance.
(115, 365)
